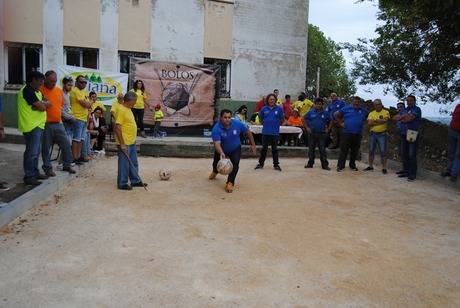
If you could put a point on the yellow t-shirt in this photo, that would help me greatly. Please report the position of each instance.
(98, 104)
(125, 118)
(79, 112)
(302, 106)
(158, 115)
(140, 99)
(279, 101)
(382, 114)
(114, 109)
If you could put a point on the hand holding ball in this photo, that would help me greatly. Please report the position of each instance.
(224, 166)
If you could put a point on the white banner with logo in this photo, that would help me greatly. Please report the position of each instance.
(107, 85)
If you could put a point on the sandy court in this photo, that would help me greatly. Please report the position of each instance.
(298, 238)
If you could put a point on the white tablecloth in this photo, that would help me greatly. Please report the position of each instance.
(257, 129)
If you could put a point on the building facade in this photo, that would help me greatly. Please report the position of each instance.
(259, 44)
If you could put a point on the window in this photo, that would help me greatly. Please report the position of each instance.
(84, 57)
(20, 60)
(124, 59)
(223, 75)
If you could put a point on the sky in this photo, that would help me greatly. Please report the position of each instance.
(346, 21)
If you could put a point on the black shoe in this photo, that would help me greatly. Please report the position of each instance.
(140, 184)
(369, 169)
(354, 168)
(340, 169)
(326, 168)
(277, 167)
(125, 187)
(32, 182)
(259, 166)
(453, 179)
(333, 147)
(384, 171)
(445, 174)
(69, 169)
(410, 179)
(42, 177)
(402, 175)
(50, 173)
(401, 172)
(77, 162)
(308, 166)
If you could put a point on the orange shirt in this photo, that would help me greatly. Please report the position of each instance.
(295, 121)
(56, 97)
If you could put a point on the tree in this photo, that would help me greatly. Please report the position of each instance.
(325, 54)
(417, 49)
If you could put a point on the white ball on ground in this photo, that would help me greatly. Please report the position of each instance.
(224, 166)
(165, 174)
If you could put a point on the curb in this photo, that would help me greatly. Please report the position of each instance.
(15, 208)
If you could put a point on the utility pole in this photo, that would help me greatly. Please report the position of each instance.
(318, 73)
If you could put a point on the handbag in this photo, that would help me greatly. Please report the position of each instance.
(411, 135)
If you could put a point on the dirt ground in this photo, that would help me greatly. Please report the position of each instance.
(299, 238)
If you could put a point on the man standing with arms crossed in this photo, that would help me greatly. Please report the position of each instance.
(54, 129)
(378, 123)
(80, 108)
(227, 143)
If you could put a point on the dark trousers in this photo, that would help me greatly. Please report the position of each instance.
(453, 152)
(349, 143)
(139, 118)
(409, 156)
(100, 140)
(55, 133)
(269, 140)
(32, 152)
(336, 132)
(317, 140)
(156, 129)
(234, 157)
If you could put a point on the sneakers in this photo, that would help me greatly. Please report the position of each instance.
(410, 179)
(326, 168)
(384, 171)
(32, 182)
(353, 168)
(50, 173)
(229, 187)
(402, 175)
(259, 166)
(125, 187)
(69, 169)
(143, 135)
(369, 169)
(308, 166)
(213, 175)
(339, 169)
(401, 172)
(445, 174)
(277, 167)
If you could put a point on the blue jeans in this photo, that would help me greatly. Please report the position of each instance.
(409, 156)
(453, 152)
(32, 153)
(86, 146)
(69, 130)
(55, 133)
(126, 170)
(379, 140)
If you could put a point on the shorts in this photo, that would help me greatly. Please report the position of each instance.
(380, 140)
(79, 131)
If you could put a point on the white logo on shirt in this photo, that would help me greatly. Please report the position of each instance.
(276, 112)
(235, 132)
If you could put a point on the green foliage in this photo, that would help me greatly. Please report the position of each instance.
(417, 49)
(325, 53)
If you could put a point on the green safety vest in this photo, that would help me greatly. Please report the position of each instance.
(28, 118)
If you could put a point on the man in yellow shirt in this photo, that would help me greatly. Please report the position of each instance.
(279, 101)
(80, 106)
(125, 134)
(303, 105)
(378, 125)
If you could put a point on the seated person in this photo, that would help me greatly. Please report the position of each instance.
(294, 120)
(97, 129)
(242, 113)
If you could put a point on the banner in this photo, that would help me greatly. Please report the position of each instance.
(186, 93)
(106, 85)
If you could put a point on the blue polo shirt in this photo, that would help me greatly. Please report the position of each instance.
(271, 120)
(417, 113)
(317, 120)
(402, 127)
(354, 119)
(229, 137)
(334, 106)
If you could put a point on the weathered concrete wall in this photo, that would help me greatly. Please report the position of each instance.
(177, 30)
(53, 33)
(269, 47)
(23, 21)
(134, 25)
(81, 27)
(218, 24)
(108, 54)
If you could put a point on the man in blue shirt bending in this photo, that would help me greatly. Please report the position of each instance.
(271, 116)
(351, 118)
(316, 123)
(227, 143)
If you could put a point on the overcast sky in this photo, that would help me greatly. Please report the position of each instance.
(346, 21)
